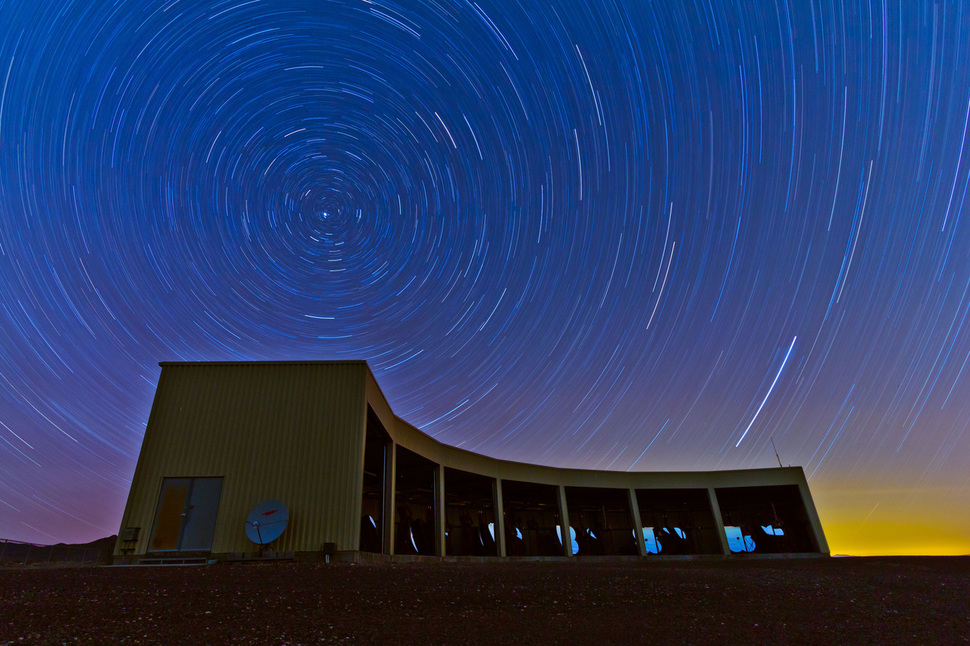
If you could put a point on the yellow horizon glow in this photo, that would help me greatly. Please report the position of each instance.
(863, 521)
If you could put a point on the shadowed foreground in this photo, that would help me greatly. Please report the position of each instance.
(870, 600)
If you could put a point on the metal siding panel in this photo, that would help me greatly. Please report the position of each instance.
(287, 431)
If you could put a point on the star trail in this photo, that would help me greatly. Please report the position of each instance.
(589, 233)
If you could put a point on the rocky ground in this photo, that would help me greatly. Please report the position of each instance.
(811, 601)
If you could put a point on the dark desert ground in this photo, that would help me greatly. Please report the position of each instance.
(877, 600)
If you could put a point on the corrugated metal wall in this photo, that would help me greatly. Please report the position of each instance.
(291, 431)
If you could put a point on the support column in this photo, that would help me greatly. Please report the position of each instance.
(499, 506)
(637, 524)
(439, 504)
(567, 542)
(818, 535)
(718, 521)
(390, 493)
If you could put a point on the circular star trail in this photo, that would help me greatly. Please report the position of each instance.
(613, 235)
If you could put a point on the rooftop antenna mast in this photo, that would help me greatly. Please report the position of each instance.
(777, 457)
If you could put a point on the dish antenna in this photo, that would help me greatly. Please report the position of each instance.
(266, 522)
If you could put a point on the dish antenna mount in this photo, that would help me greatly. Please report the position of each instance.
(266, 522)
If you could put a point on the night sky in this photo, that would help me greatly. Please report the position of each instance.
(612, 235)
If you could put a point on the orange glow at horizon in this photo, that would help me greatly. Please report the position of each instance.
(862, 521)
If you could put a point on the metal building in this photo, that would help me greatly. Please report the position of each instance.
(360, 483)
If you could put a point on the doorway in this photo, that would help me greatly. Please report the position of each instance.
(185, 518)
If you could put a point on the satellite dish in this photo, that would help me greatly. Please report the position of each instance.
(266, 522)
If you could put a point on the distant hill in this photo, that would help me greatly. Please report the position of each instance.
(16, 553)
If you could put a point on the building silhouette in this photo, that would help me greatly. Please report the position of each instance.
(360, 483)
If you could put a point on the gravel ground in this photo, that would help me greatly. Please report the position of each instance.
(808, 601)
